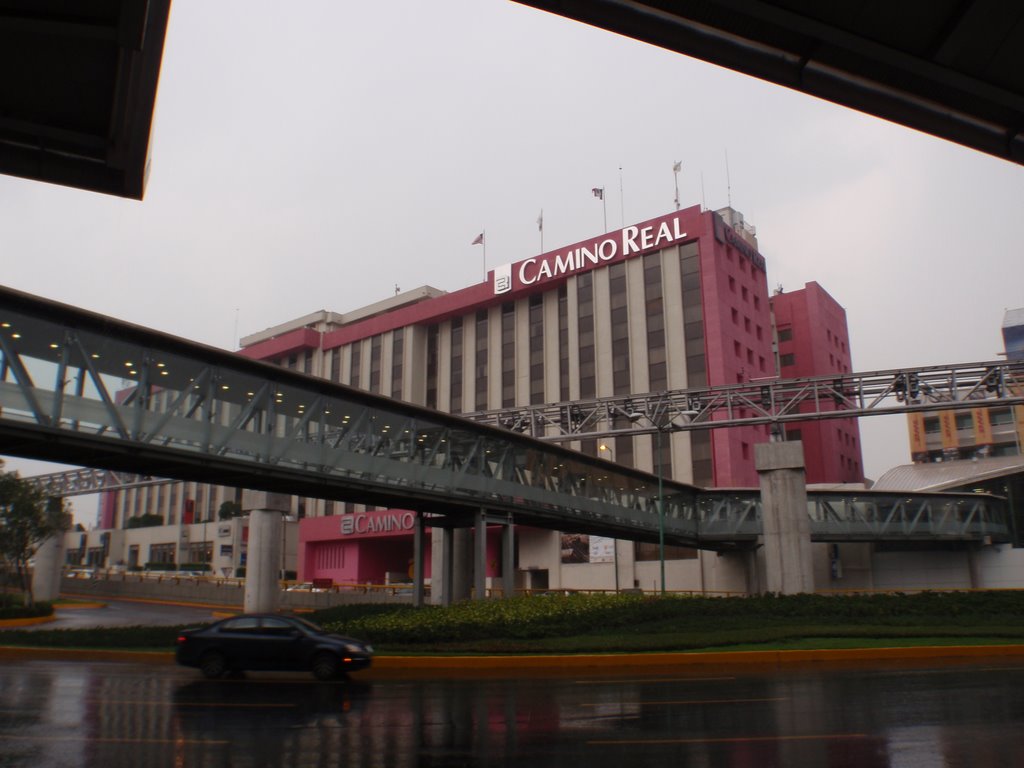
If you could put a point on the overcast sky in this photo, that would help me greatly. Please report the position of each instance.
(312, 155)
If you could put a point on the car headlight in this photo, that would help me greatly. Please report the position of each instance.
(357, 648)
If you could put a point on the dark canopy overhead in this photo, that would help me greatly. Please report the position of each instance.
(952, 68)
(78, 90)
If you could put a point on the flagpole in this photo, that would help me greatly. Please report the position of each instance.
(484, 244)
(599, 193)
(622, 202)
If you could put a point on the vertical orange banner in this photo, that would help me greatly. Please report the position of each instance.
(982, 426)
(947, 423)
(915, 426)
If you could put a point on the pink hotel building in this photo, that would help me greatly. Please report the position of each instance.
(675, 302)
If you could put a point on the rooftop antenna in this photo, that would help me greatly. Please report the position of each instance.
(677, 166)
(622, 202)
(728, 182)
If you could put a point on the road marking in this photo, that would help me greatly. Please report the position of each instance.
(733, 740)
(231, 704)
(111, 740)
(627, 702)
(616, 681)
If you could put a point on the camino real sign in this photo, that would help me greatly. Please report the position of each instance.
(368, 524)
(629, 241)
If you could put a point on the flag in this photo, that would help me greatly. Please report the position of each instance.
(479, 239)
(598, 192)
(540, 220)
(677, 166)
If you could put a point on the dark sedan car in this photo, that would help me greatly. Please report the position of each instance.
(270, 642)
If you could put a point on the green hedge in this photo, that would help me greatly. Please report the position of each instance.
(586, 623)
(560, 616)
(22, 612)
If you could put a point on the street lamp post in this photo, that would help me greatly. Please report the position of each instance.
(661, 513)
(615, 542)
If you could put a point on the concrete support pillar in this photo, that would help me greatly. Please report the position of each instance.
(417, 562)
(973, 566)
(461, 570)
(787, 532)
(508, 559)
(480, 557)
(46, 573)
(262, 591)
(443, 566)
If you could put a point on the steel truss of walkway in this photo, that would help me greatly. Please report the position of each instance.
(771, 401)
(80, 388)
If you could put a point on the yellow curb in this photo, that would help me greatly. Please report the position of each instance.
(148, 601)
(77, 606)
(15, 623)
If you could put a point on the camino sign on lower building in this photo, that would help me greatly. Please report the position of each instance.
(365, 524)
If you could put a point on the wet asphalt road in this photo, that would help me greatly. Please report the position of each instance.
(108, 714)
(99, 715)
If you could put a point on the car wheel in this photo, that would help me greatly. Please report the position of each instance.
(213, 665)
(325, 667)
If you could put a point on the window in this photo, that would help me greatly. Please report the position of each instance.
(732, 284)
(508, 354)
(375, 357)
(455, 371)
(735, 317)
(656, 355)
(397, 362)
(785, 334)
(745, 294)
(787, 360)
(536, 322)
(480, 362)
(431, 393)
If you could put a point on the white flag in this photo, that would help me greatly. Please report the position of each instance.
(677, 166)
(598, 192)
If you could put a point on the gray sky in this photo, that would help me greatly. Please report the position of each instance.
(311, 155)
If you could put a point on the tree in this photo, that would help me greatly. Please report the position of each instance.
(228, 510)
(27, 518)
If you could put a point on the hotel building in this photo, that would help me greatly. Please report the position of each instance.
(676, 302)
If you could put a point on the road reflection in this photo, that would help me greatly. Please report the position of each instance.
(66, 714)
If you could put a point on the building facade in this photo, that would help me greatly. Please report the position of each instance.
(676, 302)
(813, 340)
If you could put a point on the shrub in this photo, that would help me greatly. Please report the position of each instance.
(18, 610)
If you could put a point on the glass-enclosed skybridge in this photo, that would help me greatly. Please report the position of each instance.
(80, 388)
